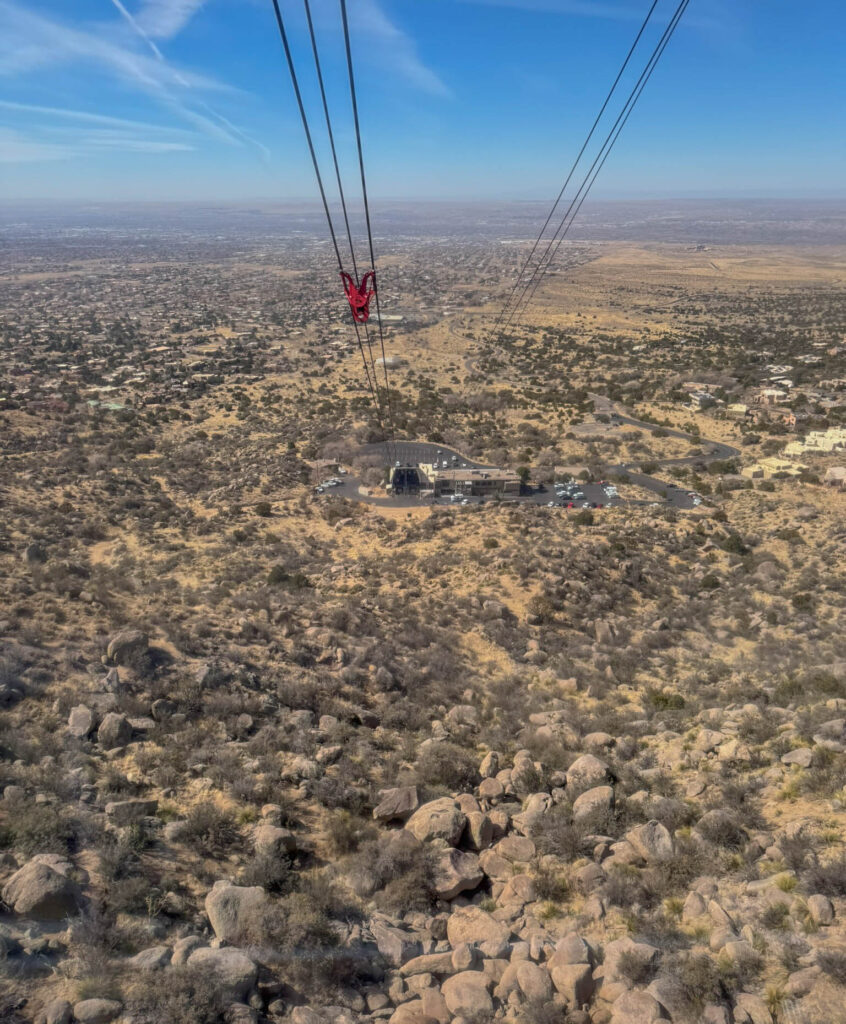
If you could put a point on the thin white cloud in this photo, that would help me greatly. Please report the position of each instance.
(112, 139)
(19, 149)
(396, 47)
(85, 117)
(222, 124)
(29, 42)
(164, 19)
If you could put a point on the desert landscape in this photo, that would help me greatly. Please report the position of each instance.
(273, 751)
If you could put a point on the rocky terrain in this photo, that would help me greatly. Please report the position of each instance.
(440, 768)
(271, 757)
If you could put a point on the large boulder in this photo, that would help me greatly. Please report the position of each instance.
(129, 647)
(96, 1011)
(637, 1008)
(476, 927)
(236, 911)
(586, 772)
(751, 1009)
(593, 804)
(438, 819)
(456, 872)
(41, 891)
(153, 959)
(273, 841)
(57, 1011)
(125, 812)
(396, 945)
(81, 721)
(652, 841)
(622, 956)
(574, 982)
(115, 731)
(467, 995)
(534, 982)
(396, 804)
(230, 967)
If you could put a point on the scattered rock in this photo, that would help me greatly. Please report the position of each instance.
(115, 731)
(801, 756)
(81, 721)
(467, 994)
(153, 959)
(235, 971)
(652, 841)
(96, 1011)
(821, 909)
(125, 812)
(439, 819)
(396, 804)
(236, 911)
(39, 891)
(456, 872)
(128, 647)
(57, 1011)
(593, 803)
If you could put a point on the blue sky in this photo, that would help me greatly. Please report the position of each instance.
(189, 99)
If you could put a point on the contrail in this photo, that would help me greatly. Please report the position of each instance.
(230, 130)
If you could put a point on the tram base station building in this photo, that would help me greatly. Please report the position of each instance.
(477, 483)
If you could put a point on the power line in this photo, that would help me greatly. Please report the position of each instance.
(585, 144)
(371, 383)
(587, 182)
(367, 210)
(665, 39)
(339, 180)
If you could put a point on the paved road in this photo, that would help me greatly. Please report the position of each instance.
(679, 497)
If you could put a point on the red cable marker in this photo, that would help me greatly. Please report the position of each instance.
(359, 296)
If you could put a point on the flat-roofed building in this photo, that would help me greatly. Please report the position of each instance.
(774, 468)
(476, 482)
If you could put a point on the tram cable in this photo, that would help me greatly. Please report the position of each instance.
(356, 293)
(554, 243)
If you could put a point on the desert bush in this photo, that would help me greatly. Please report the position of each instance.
(725, 830)
(209, 830)
(178, 994)
(833, 963)
(400, 876)
(345, 832)
(828, 876)
(445, 766)
(697, 979)
(775, 916)
(304, 943)
(550, 884)
(274, 874)
(635, 970)
(554, 833)
(39, 828)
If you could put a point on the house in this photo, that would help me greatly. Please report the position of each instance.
(737, 411)
(773, 469)
(829, 440)
(770, 396)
